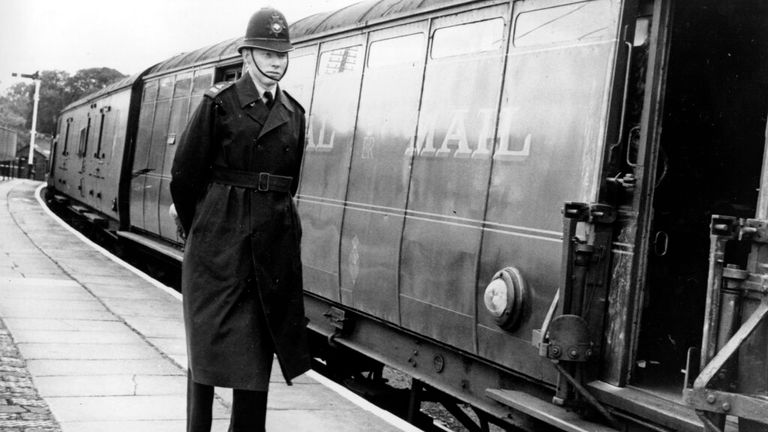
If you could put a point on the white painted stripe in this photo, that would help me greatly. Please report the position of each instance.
(103, 251)
(445, 222)
(364, 404)
(395, 211)
(342, 391)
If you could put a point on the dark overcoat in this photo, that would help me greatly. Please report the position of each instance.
(241, 276)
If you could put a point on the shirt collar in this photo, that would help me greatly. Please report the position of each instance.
(248, 91)
(261, 89)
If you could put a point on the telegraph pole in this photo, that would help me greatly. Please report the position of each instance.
(30, 160)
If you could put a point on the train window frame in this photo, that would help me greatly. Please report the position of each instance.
(553, 38)
(417, 51)
(64, 151)
(150, 92)
(230, 73)
(323, 67)
(188, 77)
(83, 144)
(178, 90)
(451, 51)
(97, 153)
(299, 80)
(197, 79)
(165, 87)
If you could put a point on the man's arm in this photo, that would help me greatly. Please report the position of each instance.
(191, 168)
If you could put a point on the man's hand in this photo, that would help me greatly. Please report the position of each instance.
(179, 229)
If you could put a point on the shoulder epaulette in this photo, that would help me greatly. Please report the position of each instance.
(218, 88)
(294, 101)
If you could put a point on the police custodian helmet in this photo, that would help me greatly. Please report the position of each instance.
(267, 30)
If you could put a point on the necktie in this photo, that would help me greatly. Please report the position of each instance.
(268, 99)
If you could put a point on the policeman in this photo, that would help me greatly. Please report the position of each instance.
(233, 177)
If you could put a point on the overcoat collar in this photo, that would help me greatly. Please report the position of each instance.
(249, 99)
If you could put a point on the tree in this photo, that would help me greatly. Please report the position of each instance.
(16, 106)
(53, 98)
(57, 90)
(87, 81)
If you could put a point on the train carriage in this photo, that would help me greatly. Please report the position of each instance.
(508, 200)
(93, 148)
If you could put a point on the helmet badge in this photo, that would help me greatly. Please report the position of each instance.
(276, 24)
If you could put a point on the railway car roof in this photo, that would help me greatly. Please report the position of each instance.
(347, 18)
(115, 86)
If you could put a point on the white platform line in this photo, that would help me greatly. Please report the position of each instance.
(103, 251)
(342, 391)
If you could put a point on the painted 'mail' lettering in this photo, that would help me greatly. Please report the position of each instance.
(457, 131)
(485, 136)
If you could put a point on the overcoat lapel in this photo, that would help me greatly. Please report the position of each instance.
(250, 101)
(280, 114)
(258, 112)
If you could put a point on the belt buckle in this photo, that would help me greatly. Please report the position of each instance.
(263, 185)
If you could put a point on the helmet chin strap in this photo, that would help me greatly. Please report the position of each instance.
(253, 59)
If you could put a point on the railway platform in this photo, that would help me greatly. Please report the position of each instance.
(88, 343)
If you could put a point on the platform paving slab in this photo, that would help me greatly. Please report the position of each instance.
(68, 367)
(92, 383)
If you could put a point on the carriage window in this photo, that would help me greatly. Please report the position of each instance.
(150, 92)
(202, 82)
(300, 77)
(83, 144)
(402, 50)
(340, 60)
(468, 38)
(230, 73)
(182, 86)
(166, 88)
(570, 23)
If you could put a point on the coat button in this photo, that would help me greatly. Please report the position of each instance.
(287, 149)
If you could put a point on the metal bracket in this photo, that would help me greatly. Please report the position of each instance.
(730, 227)
(340, 322)
(724, 226)
(704, 399)
(592, 213)
(568, 339)
(754, 229)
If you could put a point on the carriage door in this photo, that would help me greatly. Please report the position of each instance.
(562, 105)
(330, 134)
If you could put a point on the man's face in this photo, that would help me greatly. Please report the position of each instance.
(267, 67)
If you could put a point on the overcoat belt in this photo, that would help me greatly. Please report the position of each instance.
(241, 276)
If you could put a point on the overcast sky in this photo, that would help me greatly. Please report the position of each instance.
(125, 35)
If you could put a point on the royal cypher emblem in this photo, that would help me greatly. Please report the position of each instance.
(276, 24)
